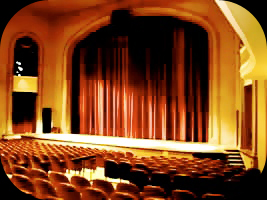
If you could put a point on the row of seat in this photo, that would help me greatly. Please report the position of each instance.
(170, 174)
(28, 156)
(56, 185)
(43, 151)
(199, 185)
(162, 162)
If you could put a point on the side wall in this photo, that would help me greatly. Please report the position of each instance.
(257, 156)
(262, 122)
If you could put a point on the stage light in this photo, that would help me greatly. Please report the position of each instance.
(19, 75)
(20, 68)
(17, 62)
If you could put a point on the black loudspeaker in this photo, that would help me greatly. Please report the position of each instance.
(47, 119)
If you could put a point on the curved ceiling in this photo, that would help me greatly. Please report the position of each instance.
(61, 7)
(243, 22)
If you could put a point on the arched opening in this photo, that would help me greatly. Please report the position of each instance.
(25, 85)
(147, 81)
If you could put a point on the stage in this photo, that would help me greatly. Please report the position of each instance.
(163, 146)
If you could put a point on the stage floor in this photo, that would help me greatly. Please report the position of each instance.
(145, 144)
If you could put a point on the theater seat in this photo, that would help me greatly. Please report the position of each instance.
(23, 183)
(125, 170)
(6, 165)
(80, 183)
(183, 195)
(94, 194)
(153, 191)
(37, 173)
(16, 169)
(122, 196)
(128, 187)
(44, 189)
(99, 160)
(213, 196)
(161, 179)
(71, 164)
(57, 177)
(39, 164)
(139, 178)
(68, 192)
(111, 169)
(25, 160)
(181, 181)
(56, 165)
(103, 185)
(53, 198)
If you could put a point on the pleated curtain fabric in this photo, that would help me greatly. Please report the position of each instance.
(165, 98)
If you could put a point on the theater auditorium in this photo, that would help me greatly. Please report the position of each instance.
(133, 99)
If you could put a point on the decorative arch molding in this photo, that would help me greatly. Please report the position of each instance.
(186, 15)
(67, 65)
(9, 79)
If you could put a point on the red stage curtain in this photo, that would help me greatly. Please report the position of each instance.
(169, 103)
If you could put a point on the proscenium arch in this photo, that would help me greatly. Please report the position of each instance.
(9, 79)
(213, 38)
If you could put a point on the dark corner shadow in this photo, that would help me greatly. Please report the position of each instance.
(263, 178)
(8, 190)
(257, 9)
(9, 8)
